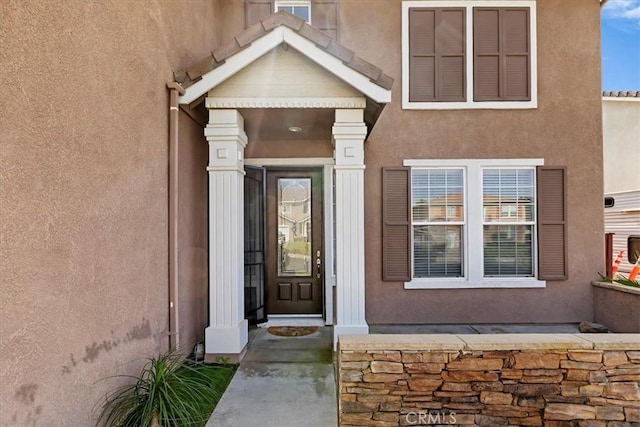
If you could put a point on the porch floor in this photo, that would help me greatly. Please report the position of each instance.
(282, 381)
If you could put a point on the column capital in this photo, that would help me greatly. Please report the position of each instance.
(348, 134)
(227, 140)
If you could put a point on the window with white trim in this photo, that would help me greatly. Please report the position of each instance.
(437, 210)
(508, 239)
(301, 9)
(473, 223)
(462, 54)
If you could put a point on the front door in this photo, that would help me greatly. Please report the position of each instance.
(294, 241)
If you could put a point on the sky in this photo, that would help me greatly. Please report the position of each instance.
(621, 45)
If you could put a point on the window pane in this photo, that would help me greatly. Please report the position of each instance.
(437, 251)
(508, 250)
(301, 12)
(437, 195)
(508, 195)
(633, 249)
(294, 227)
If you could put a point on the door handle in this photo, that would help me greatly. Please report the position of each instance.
(318, 263)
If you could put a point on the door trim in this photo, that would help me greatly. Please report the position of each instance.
(328, 166)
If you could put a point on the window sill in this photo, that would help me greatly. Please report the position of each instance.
(489, 105)
(493, 283)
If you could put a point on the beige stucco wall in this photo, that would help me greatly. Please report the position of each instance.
(193, 236)
(621, 139)
(83, 187)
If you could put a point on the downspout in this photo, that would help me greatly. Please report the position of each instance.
(175, 90)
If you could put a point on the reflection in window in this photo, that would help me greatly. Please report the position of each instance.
(294, 227)
(508, 210)
(438, 222)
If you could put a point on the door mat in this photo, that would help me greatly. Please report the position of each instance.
(292, 331)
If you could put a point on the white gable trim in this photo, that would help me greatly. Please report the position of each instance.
(270, 41)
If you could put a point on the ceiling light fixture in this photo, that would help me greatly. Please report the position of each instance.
(295, 129)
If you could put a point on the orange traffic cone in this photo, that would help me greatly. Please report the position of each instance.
(616, 264)
(634, 271)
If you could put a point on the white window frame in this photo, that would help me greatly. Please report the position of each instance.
(469, 103)
(473, 252)
(290, 3)
(533, 223)
(462, 223)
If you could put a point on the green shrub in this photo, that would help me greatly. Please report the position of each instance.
(170, 391)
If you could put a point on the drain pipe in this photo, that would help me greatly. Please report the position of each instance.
(175, 90)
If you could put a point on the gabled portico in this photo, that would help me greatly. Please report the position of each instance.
(287, 67)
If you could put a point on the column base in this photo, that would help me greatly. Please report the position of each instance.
(348, 330)
(226, 341)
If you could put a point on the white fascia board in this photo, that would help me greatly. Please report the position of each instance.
(232, 65)
(620, 98)
(336, 67)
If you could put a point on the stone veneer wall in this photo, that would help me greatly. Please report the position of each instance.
(490, 380)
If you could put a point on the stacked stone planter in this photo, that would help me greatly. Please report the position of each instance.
(490, 380)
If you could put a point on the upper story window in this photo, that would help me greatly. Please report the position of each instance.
(469, 54)
(301, 9)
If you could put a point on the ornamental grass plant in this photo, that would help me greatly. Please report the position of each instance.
(170, 391)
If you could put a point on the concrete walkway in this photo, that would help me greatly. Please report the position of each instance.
(282, 381)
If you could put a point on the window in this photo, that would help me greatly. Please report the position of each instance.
(437, 209)
(633, 248)
(301, 9)
(508, 239)
(474, 223)
(469, 54)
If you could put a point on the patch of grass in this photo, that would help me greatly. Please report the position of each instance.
(170, 391)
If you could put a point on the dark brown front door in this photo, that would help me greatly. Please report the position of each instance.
(294, 241)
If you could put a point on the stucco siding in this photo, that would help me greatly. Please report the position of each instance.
(564, 130)
(83, 187)
(621, 136)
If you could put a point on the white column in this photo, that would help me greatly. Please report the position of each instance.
(228, 329)
(349, 133)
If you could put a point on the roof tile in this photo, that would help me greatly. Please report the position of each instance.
(292, 21)
(340, 52)
(202, 67)
(366, 68)
(384, 81)
(251, 34)
(226, 50)
(315, 35)
(273, 20)
(622, 94)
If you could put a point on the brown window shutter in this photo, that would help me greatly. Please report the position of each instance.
(552, 223)
(324, 16)
(396, 224)
(501, 49)
(437, 54)
(255, 10)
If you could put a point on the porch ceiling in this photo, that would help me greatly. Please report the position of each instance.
(273, 124)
